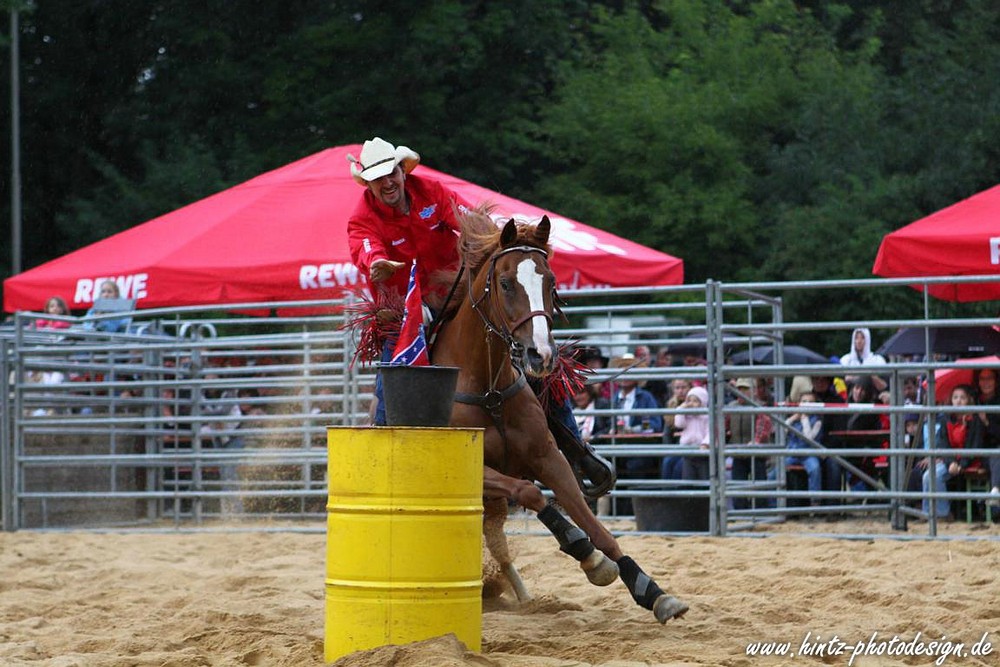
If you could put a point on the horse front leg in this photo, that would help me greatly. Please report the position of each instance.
(555, 473)
(599, 569)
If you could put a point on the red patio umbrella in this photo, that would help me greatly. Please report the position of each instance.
(961, 240)
(282, 236)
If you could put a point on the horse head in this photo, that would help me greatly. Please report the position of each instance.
(523, 295)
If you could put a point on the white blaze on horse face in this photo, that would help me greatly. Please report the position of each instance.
(532, 281)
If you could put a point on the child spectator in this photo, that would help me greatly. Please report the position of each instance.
(958, 431)
(54, 306)
(694, 431)
(804, 425)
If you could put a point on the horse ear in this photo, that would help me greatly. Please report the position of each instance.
(509, 234)
(542, 230)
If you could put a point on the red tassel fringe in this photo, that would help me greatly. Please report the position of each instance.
(373, 324)
(566, 381)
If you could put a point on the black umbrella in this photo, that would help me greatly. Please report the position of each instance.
(960, 341)
(764, 354)
(695, 344)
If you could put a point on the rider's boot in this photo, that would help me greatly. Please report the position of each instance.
(600, 569)
(595, 474)
(647, 593)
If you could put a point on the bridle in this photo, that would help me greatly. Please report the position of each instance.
(506, 329)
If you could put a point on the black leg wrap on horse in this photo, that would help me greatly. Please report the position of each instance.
(644, 590)
(572, 540)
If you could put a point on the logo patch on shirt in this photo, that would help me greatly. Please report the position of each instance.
(398, 242)
(427, 212)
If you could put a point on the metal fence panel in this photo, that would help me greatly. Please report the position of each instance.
(209, 413)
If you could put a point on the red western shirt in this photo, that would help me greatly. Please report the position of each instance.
(428, 234)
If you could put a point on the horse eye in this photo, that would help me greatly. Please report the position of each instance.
(505, 284)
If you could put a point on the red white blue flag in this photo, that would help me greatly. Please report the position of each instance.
(411, 348)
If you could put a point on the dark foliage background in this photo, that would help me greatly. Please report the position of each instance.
(758, 140)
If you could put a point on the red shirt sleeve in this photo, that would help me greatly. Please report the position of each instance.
(365, 237)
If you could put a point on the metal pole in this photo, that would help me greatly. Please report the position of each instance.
(716, 392)
(6, 446)
(15, 145)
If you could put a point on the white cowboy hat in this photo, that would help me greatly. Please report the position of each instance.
(379, 158)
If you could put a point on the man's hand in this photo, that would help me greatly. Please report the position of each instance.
(382, 269)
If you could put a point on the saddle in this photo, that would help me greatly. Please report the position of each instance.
(594, 473)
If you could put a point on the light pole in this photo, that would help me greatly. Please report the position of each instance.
(15, 144)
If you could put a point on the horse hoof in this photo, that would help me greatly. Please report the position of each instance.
(667, 607)
(600, 569)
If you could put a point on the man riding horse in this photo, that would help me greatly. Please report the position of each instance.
(403, 217)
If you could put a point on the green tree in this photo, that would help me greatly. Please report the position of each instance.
(665, 135)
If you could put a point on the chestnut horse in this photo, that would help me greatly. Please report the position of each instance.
(499, 330)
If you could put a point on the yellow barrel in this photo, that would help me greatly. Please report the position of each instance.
(404, 537)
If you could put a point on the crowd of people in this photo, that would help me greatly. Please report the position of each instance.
(677, 415)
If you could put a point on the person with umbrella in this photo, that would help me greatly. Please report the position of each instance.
(958, 431)
(985, 382)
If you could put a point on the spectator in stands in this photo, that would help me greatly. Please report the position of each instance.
(109, 290)
(660, 389)
(801, 384)
(763, 428)
(225, 434)
(911, 390)
(741, 432)
(825, 393)
(643, 354)
(589, 398)
(692, 359)
(805, 426)
(630, 396)
(665, 358)
(672, 467)
(694, 433)
(957, 431)
(861, 355)
(56, 305)
(985, 384)
(323, 402)
(47, 378)
(862, 395)
(679, 389)
(592, 358)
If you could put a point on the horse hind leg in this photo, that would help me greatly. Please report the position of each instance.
(600, 570)
(647, 593)
(494, 516)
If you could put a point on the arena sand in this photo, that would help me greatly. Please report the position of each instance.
(249, 598)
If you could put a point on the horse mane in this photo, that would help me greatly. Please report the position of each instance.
(480, 237)
(478, 241)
